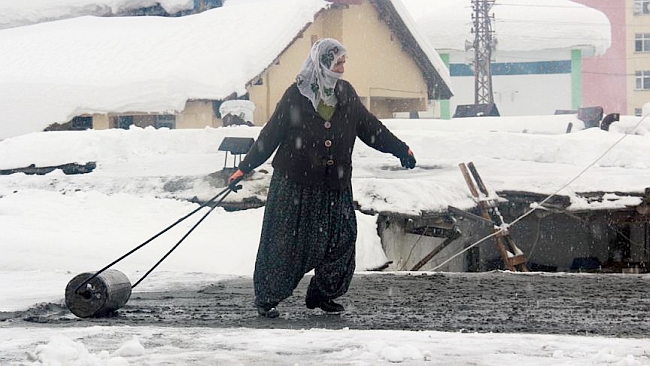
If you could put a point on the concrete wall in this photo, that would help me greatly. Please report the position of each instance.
(378, 67)
(604, 77)
(405, 250)
(197, 114)
(101, 122)
(514, 95)
(527, 83)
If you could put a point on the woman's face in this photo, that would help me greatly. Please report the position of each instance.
(339, 66)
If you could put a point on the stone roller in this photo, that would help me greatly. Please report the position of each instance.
(102, 293)
(101, 296)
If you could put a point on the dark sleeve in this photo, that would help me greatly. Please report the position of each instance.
(373, 133)
(270, 137)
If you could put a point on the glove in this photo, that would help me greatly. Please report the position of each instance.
(235, 178)
(408, 161)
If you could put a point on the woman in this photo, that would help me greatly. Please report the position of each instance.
(309, 218)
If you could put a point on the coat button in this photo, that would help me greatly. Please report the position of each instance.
(329, 162)
(328, 124)
(328, 143)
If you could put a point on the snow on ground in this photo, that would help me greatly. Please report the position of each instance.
(56, 226)
(121, 346)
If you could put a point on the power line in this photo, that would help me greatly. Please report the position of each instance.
(564, 6)
(606, 73)
(554, 22)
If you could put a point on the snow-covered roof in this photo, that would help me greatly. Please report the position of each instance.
(528, 154)
(519, 25)
(149, 64)
(55, 70)
(17, 13)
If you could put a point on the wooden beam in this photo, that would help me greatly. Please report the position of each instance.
(468, 215)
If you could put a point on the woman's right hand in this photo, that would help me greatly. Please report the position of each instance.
(237, 175)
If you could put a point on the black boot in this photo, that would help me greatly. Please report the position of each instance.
(325, 305)
(267, 310)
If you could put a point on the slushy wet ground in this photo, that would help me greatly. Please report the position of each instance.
(499, 302)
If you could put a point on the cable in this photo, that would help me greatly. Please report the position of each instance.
(561, 6)
(552, 22)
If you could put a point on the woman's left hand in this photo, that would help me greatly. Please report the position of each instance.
(408, 161)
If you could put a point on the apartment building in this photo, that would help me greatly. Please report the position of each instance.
(619, 80)
(638, 56)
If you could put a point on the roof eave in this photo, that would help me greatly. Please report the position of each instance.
(250, 82)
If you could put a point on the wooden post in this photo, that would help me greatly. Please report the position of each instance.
(512, 260)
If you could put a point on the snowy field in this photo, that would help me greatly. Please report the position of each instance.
(120, 346)
(56, 226)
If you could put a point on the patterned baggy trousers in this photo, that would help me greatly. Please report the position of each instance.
(305, 227)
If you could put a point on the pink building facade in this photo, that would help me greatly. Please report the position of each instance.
(604, 78)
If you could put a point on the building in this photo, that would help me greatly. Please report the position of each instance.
(536, 59)
(619, 80)
(176, 72)
(402, 77)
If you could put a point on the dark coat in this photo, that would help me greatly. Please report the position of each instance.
(311, 149)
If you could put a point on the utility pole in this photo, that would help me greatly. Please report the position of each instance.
(483, 44)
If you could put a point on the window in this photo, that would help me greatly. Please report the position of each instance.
(638, 112)
(642, 80)
(124, 122)
(642, 42)
(202, 5)
(165, 121)
(81, 123)
(641, 7)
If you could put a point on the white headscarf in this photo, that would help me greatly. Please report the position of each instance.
(316, 79)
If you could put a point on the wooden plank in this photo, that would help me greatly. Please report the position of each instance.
(526, 198)
(477, 178)
(518, 260)
(504, 253)
(468, 180)
(468, 215)
(490, 212)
